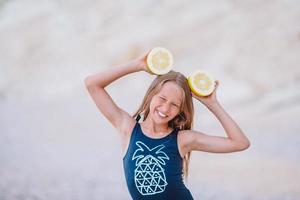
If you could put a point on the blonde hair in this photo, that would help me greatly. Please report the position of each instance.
(184, 120)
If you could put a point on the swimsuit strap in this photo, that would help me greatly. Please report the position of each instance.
(138, 117)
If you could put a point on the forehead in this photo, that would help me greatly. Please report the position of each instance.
(172, 91)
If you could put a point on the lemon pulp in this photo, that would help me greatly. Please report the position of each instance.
(159, 60)
(201, 83)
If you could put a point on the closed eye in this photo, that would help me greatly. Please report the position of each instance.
(162, 98)
(173, 104)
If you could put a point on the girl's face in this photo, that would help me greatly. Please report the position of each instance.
(165, 105)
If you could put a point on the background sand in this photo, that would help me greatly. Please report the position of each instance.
(54, 144)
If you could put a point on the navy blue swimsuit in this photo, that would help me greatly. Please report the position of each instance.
(153, 167)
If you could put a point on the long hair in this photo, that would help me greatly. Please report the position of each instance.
(184, 120)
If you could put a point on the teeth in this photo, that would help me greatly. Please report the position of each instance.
(161, 114)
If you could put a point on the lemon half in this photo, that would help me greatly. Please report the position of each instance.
(159, 60)
(201, 83)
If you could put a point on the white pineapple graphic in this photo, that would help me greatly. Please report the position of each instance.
(149, 175)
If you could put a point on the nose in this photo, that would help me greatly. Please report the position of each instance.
(165, 108)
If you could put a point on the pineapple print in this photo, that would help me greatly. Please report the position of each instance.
(149, 175)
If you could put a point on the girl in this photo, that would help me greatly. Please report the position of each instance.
(156, 150)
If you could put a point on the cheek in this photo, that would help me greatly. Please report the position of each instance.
(153, 104)
(174, 112)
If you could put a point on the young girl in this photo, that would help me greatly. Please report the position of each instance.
(156, 150)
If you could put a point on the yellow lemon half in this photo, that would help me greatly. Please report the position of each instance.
(201, 83)
(159, 60)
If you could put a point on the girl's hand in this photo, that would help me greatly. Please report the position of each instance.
(142, 62)
(210, 99)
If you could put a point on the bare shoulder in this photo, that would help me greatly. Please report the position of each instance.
(185, 136)
(185, 140)
(126, 130)
(190, 140)
(126, 126)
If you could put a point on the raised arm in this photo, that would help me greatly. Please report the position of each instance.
(235, 140)
(96, 84)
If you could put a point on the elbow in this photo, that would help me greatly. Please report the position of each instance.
(90, 82)
(87, 82)
(244, 145)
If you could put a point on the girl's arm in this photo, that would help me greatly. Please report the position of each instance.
(236, 140)
(96, 84)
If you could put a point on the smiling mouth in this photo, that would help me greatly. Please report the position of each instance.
(161, 114)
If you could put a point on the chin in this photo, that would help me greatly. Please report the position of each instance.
(161, 121)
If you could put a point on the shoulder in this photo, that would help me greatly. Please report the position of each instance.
(184, 140)
(126, 131)
(189, 139)
(186, 137)
(126, 126)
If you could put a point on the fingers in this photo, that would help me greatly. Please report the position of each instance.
(146, 53)
(194, 95)
(217, 83)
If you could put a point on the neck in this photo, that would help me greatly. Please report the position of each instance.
(156, 129)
